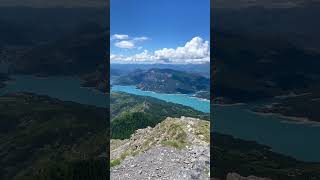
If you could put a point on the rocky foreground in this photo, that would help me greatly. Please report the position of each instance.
(177, 148)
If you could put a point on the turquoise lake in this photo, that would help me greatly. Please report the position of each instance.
(187, 100)
(297, 140)
(64, 88)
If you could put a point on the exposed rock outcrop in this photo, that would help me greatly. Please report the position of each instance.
(177, 148)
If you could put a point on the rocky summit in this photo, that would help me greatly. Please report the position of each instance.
(177, 148)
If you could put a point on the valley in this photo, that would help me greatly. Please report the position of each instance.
(274, 57)
(167, 81)
(56, 79)
(265, 58)
(131, 112)
(127, 108)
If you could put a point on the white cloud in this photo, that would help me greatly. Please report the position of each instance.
(119, 36)
(123, 41)
(144, 57)
(125, 44)
(196, 51)
(142, 38)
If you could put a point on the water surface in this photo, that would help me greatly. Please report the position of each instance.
(297, 140)
(187, 100)
(61, 87)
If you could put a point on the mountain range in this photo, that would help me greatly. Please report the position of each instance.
(251, 68)
(166, 81)
(261, 51)
(56, 41)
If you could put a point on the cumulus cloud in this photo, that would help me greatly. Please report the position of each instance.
(119, 36)
(196, 51)
(125, 44)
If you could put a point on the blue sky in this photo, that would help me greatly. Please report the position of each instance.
(139, 28)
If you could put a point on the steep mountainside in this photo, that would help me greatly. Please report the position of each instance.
(137, 154)
(45, 138)
(166, 81)
(249, 158)
(78, 53)
(29, 26)
(289, 19)
(56, 40)
(98, 79)
(251, 68)
(264, 49)
(130, 112)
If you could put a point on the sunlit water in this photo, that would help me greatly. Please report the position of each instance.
(296, 140)
(61, 87)
(187, 100)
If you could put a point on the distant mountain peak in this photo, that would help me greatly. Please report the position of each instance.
(165, 81)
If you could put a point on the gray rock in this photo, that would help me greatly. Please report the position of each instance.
(164, 162)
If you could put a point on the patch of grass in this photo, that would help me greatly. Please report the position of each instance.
(115, 162)
(176, 137)
(203, 128)
(173, 143)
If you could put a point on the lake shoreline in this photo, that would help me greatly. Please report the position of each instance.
(289, 119)
(234, 119)
(231, 104)
(183, 99)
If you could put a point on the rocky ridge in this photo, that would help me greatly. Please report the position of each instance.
(177, 148)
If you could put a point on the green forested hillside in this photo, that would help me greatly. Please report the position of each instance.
(45, 138)
(130, 112)
(249, 158)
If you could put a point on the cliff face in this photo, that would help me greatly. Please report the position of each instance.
(177, 148)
